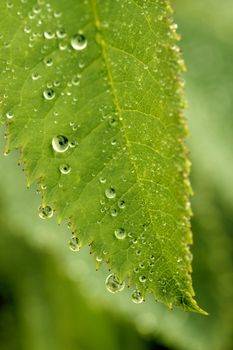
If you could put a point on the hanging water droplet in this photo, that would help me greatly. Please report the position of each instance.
(137, 297)
(79, 42)
(65, 169)
(120, 233)
(74, 244)
(9, 115)
(110, 193)
(113, 284)
(49, 94)
(45, 212)
(60, 143)
(98, 259)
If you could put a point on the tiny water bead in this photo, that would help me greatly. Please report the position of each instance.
(65, 169)
(120, 233)
(45, 212)
(121, 204)
(49, 35)
(79, 42)
(49, 94)
(48, 61)
(137, 297)
(60, 143)
(110, 193)
(74, 244)
(10, 115)
(113, 284)
(142, 279)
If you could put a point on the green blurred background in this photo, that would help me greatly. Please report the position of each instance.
(52, 298)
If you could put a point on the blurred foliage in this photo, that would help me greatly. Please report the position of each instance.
(51, 299)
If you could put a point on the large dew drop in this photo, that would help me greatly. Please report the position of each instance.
(45, 212)
(79, 42)
(137, 297)
(113, 284)
(60, 143)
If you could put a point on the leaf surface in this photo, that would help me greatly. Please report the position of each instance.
(90, 94)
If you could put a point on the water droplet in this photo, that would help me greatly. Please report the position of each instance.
(137, 297)
(9, 115)
(60, 143)
(65, 169)
(74, 244)
(61, 33)
(49, 94)
(45, 212)
(49, 35)
(121, 204)
(48, 61)
(102, 180)
(120, 233)
(113, 284)
(110, 193)
(79, 42)
(142, 279)
(35, 76)
(114, 212)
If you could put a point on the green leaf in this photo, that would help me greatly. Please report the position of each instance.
(91, 95)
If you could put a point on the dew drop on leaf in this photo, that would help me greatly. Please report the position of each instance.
(120, 233)
(142, 279)
(49, 35)
(65, 169)
(74, 244)
(60, 143)
(9, 115)
(110, 193)
(121, 204)
(49, 94)
(79, 42)
(113, 284)
(137, 297)
(45, 212)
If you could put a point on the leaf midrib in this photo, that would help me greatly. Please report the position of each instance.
(103, 45)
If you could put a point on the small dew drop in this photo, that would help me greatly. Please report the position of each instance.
(35, 76)
(142, 279)
(61, 33)
(113, 284)
(137, 297)
(120, 233)
(48, 61)
(79, 42)
(114, 212)
(49, 94)
(45, 212)
(121, 204)
(10, 115)
(65, 169)
(49, 35)
(74, 244)
(60, 143)
(110, 193)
